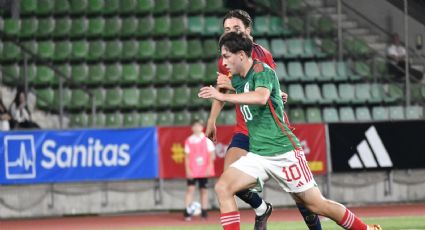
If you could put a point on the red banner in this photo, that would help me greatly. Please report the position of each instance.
(172, 156)
(171, 150)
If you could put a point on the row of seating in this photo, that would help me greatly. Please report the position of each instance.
(134, 119)
(111, 7)
(148, 49)
(113, 27)
(350, 114)
(292, 48)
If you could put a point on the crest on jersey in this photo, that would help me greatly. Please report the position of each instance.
(246, 88)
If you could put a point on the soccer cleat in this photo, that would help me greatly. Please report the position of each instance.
(374, 227)
(261, 221)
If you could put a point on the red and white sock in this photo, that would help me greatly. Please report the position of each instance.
(352, 222)
(231, 220)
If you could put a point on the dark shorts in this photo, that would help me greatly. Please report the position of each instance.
(241, 141)
(202, 182)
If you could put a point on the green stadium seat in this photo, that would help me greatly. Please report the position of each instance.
(179, 26)
(346, 114)
(30, 45)
(162, 26)
(113, 50)
(161, 6)
(31, 73)
(147, 98)
(129, 26)
(376, 93)
(346, 93)
(64, 69)
(63, 50)
(95, 7)
(325, 25)
(196, 72)
(261, 25)
(28, 7)
(97, 121)
(395, 93)
(229, 117)
(78, 120)
(80, 74)
(200, 115)
(313, 95)
(111, 7)
(313, 115)
(363, 114)
(10, 73)
(130, 74)
(44, 76)
(342, 72)
(147, 73)
(178, 6)
(131, 120)
(195, 101)
(330, 115)
(130, 99)
(181, 97)
(380, 67)
(145, 6)
(264, 43)
(415, 91)
(396, 112)
(11, 52)
(380, 113)
(96, 75)
(362, 92)
(196, 6)
(45, 27)
(163, 73)
(99, 97)
(46, 49)
(130, 50)
(146, 49)
(80, 50)
(165, 118)
(112, 27)
(194, 51)
(312, 72)
(162, 49)
(28, 28)
(113, 120)
(179, 49)
(328, 71)
(113, 74)
(295, 6)
(297, 116)
(214, 6)
(79, 99)
(210, 48)
(211, 72)
(129, 6)
(79, 27)
(296, 94)
(278, 48)
(281, 71)
(66, 99)
(329, 47)
(330, 93)
(96, 51)
(61, 7)
(113, 98)
(44, 98)
(276, 27)
(296, 25)
(295, 48)
(182, 118)
(12, 27)
(145, 27)
(196, 25)
(361, 71)
(148, 119)
(414, 112)
(295, 71)
(164, 97)
(312, 50)
(212, 26)
(78, 7)
(180, 73)
(63, 27)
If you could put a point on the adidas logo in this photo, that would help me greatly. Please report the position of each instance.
(371, 152)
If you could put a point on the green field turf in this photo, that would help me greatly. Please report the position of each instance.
(392, 223)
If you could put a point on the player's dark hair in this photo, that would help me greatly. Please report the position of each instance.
(235, 42)
(197, 121)
(239, 14)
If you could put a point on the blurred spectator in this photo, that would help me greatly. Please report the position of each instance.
(396, 54)
(5, 117)
(20, 112)
(199, 165)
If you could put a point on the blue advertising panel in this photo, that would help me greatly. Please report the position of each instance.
(78, 155)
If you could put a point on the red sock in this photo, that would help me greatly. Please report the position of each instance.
(352, 222)
(231, 220)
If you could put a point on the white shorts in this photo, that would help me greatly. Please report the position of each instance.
(290, 170)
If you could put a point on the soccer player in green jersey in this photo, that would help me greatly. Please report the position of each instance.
(275, 151)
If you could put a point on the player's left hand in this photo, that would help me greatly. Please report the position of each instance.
(210, 92)
(284, 96)
(224, 82)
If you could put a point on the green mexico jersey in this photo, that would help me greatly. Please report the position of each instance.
(265, 135)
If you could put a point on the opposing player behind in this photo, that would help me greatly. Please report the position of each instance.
(275, 151)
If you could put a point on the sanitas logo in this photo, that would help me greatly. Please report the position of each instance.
(89, 155)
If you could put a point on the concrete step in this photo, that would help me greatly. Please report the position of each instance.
(359, 32)
(378, 46)
(328, 10)
(349, 24)
(315, 3)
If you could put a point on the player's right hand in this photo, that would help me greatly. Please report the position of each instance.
(224, 82)
(211, 131)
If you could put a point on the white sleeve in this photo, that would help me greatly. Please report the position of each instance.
(210, 145)
(186, 149)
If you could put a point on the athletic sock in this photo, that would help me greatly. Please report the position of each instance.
(231, 220)
(251, 198)
(352, 222)
(311, 219)
(261, 209)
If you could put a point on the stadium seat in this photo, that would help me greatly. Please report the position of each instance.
(145, 26)
(46, 49)
(178, 6)
(161, 6)
(163, 73)
(111, 7)
(342, 72)
(313, 115)
(45, 27)
(129, 6)
(296, 25)
(361, 71)
(394, 94)
(414, 112)
(179, 26)
(325, 26)
(297, 115)
(329, 47)
(63, 50)
(210, 48)
(195, 101)
(79, 74)
(346, 93)
(113, 98)
(164, 97)
(96, 51)
(148, 6)
(66, 99)
(113, 50)
(312, 93)
(165, 119)
(362, 92)
(79, 27)
(147, 98)
(112, 27)
(28, 28)
(295, 71)
(44, 7)
(131, 120)
(261, 25)
(63, 27)
(113, 74)
(180, 73)
(311, 50)
(330, 93)
(79, 100)
(130, 99)
(146, 49)
(10, 73)
(276, 26)
(281, 73)
(376, 93)
(162, 26)
(196, 72)
(44, 76)
(64, 69)
(44, 98)
(200, 115)
(196, 6)
(330, 115)
(78, 7)
(162, 49)
(182, 118)
(80, 50)
(12, 27)
(380, 113)
(11, 52)
(295, 48)
(61, 7)
(278, 48)
(264, 43)
(179, 49)
(95, 7)
(296, 93)
(148, 119)
(212, 26)
(211, 72)
(194, 51)
(97, 121)
(130, 74)
(129, 26)
(312, 72)
(363, 114)
(99, 97)
(28, 7)
(328, 71)
(96, 75)
(31, 73)
(78, 120)
(396, 112)
(147, 73)
(346, 114)
(196, 25)
(181, 97)
(228, 117)
(214, 6)
(113, 120)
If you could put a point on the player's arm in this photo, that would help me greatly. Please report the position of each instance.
(258, 97)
